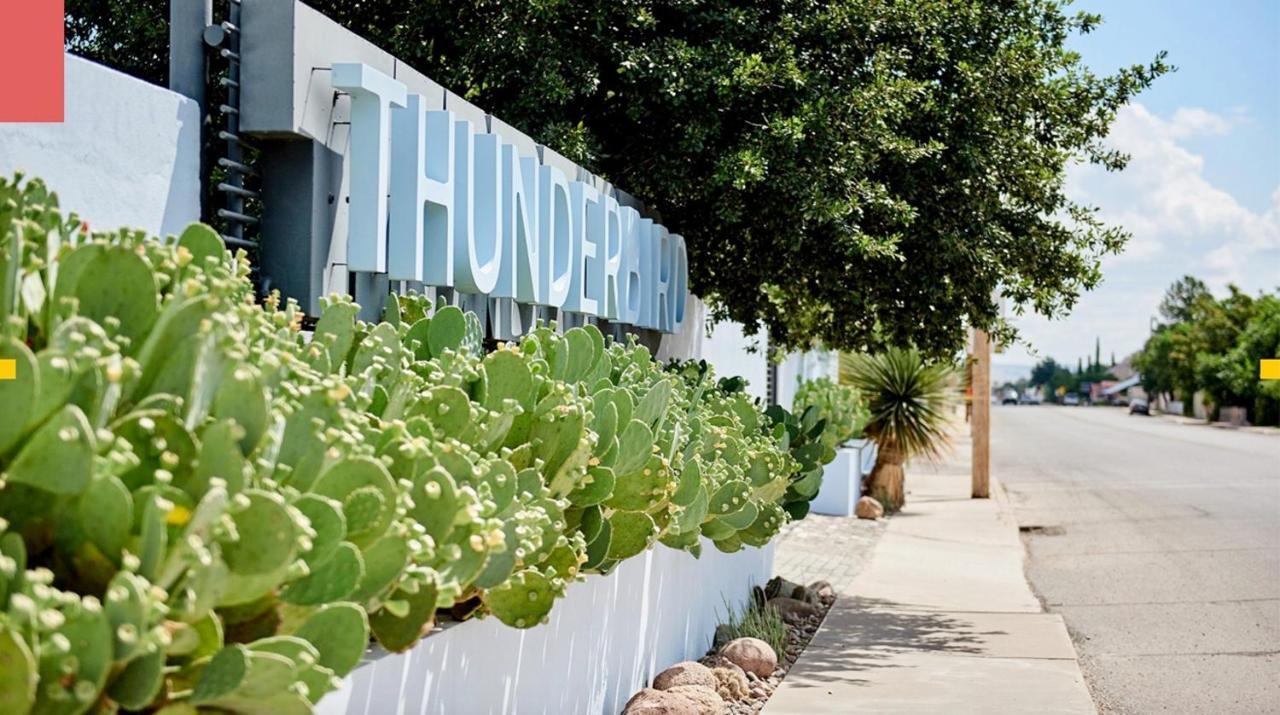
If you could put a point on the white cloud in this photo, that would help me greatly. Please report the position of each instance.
(1165, 201)
(1192, 121)
(1181, 223)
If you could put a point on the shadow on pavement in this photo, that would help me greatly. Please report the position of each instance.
(860, 633)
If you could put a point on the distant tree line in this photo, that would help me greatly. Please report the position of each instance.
(1049, 375)
(1214, 345)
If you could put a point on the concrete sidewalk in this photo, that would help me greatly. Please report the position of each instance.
(940, 621)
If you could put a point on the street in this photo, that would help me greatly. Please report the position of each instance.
(1159, 543)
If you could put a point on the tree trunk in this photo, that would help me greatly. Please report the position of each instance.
(886, 481)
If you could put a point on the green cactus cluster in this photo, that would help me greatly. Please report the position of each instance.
(808, 438)
(842, 406)
(204, 508)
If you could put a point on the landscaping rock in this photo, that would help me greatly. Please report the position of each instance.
(823, 590)
(752, 655)
(780, 587)
(794, 612)
(709, 703)
(660, 702)
(686, 673)
(868, 508)
(731, 681)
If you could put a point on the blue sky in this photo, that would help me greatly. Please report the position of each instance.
(1202, 192)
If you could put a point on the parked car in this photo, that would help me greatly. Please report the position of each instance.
(1029, 398)
(1010, 397)
(1139, 406)
(1071, 399)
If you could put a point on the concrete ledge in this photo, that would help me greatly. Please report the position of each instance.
(605, 640)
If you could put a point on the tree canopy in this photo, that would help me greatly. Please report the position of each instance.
(1214, 345)
(850, 172)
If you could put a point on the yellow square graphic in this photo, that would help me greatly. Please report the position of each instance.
(8, 369)
(1269, 370)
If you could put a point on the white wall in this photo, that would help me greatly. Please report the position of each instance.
(606, 639)
(726, 348)
(126, 156)
(687, 343)
(809, 365)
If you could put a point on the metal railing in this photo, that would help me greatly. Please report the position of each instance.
(235, 217)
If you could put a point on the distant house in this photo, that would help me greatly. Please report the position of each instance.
(1120, 392)
(1123, 370)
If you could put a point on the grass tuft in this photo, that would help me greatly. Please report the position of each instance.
(758, 620)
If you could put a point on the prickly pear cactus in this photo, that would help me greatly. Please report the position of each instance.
(231, 507)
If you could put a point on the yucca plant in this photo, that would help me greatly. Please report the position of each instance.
(909, 399)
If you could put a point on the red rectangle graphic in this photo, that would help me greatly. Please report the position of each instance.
(31, 60)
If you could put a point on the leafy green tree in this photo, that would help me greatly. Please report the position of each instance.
(1182, 298)
(1043, 371)
(130, 36)
(1155, 364)
(1213, 345)
(1230, 376)
(1064, 379)
(855, 172)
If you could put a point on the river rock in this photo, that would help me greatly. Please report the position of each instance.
(660, 702)
(823, 590)
(793, 611)
(685, 673)
(731, 681)
(779, 586)
(752, 655)
(868, 508)
(709, 702)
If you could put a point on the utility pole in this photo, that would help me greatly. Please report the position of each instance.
(981, 428)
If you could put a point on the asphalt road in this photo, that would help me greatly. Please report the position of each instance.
(1159, 543)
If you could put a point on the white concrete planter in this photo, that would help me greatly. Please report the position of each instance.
(842, 479)
(606, 639)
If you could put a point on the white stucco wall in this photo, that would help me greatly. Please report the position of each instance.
(727, 349)
(688, 342)
(605, 640)
(809, 365)
(126, 156)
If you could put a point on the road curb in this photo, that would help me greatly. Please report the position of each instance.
(1005, 512)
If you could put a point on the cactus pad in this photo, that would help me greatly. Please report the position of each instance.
(58, 458)
(268, 536)
(397, 633)
(340, 632)
(344, 479)
(18, 674)
(117, 283)
(523, 601)
(331, 579)
(447, 330)
(19, 394)
(140, 681)
(632, 533)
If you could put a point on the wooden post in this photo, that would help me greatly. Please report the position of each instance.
(981, 425)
